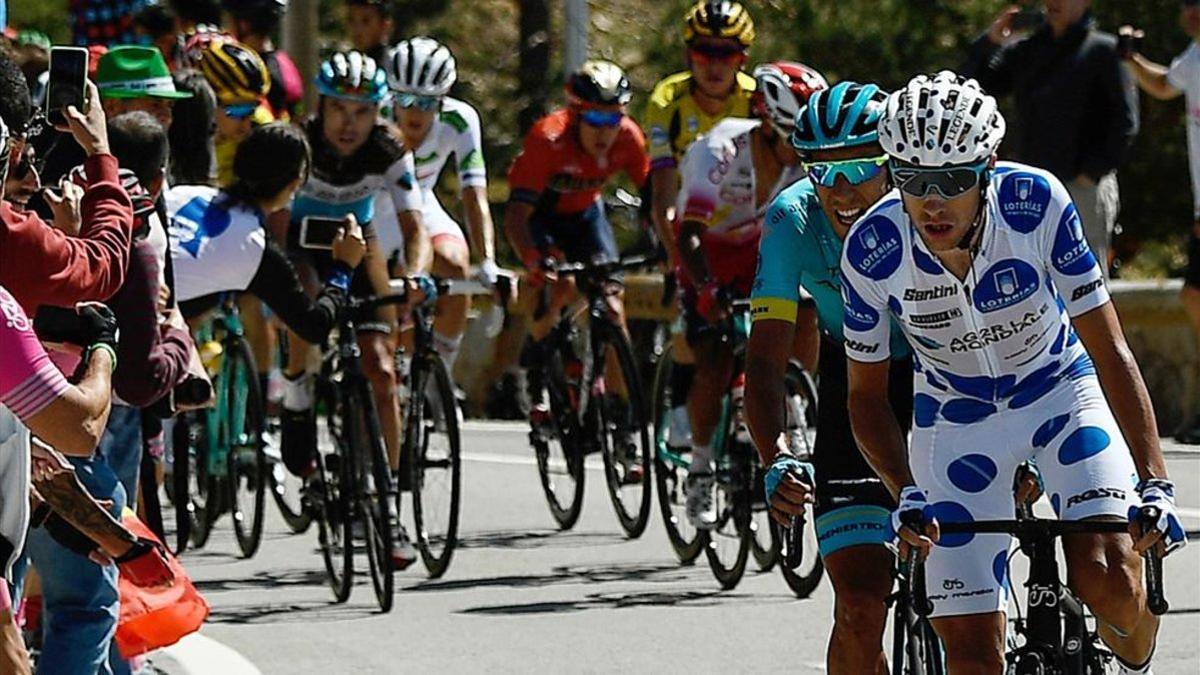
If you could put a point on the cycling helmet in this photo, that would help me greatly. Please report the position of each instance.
(421, 66)
(200, 40)
(599, 83)
(236, 72)
(352, 75)
(845, 116)
(721, 19)
(943, 120)
(783, 89)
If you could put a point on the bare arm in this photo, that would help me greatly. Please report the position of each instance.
(766, 361)
(516, 228)
(1152, 77)
(74, 422)
(418, 252)
(874, 423)
(1121, 380)
(664, 184)
(479, 222)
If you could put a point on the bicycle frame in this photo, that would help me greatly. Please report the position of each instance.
(217, 419)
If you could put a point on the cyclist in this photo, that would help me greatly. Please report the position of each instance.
(240, 80)
(369, 27)
(729, 175)
(555, 209)
(355, 158)
(420, 72)
(718, 35)
(838, 144)
(252, 23)
(985, 268)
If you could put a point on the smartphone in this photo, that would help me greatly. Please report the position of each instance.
(319, 233)
(68, 73)
(1028, 20)
(59, 326)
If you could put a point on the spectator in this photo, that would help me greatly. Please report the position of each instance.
(369, 25)
(191, 14)
(1161, 82)
(40, 265)
(157, 23)
(192, 131)
(252, 22)
(1076, 105)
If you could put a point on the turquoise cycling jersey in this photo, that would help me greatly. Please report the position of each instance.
(800, 248)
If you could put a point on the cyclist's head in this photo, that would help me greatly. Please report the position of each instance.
(941, 134)
(254, 18)
(193, 126)
(369, 23)
(139, 143)
(352, 89)
(1189, 18)
(781, 90)
(596, 96)
(836, 137)
(718, 34)
(235, 72)
(420, 72)
(270, 165)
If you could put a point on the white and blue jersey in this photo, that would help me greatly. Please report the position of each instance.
(1000, 375)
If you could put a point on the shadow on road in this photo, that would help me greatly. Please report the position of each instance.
(304, 612)
(263, 580)
(671, 572)
(524, 539)
(622, 601)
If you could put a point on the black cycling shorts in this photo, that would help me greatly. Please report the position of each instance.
(1192, 276)
(843, 476)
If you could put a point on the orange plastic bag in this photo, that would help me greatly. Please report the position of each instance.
(157, 617)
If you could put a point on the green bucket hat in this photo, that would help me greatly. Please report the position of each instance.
(135, 72)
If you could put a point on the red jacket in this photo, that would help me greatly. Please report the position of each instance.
(42, 266)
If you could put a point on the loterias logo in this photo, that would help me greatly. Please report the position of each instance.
(1071, 254)
(935, 293)
(1024, 199)
(874, 249)
(1005, 284)
(859, 315)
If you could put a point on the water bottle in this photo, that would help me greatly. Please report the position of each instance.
(210, 356)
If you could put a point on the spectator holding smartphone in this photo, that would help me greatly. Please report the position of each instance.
(1076, 106)
(1182, 77)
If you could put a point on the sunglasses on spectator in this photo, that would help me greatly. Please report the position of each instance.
(949, 182)
(240, 111)
(422, 103)
(855, 171)
(601, 118)
(710, 53)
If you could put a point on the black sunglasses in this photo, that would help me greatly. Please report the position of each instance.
(948, 182)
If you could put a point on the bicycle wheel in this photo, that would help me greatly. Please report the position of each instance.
(625, 444)
(373, 494)
(329, 497)
(433, 436)
(800, 410)
(183, 470)
(765, 542)
(243, 426)
(207, 490)
(670, 469)
(285, 491)
(559, 448)
(728, 547)
(805, 578)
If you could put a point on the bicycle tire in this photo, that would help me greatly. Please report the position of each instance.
(732, 496)
(243, 432)
(805, 579)
(205, 489)
(668, 475)
(297, 519)
(182, 459)
(619, 478)
(765, 557)
(799, 382)
(560, 457)
(373, 494)
(333, 511)
(431, 382)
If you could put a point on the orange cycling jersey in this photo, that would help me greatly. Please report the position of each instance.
(553, 172)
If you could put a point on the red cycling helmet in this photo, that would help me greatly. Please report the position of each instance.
(783, 90)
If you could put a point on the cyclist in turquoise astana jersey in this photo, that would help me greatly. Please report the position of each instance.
(984, 267)
(836, 138)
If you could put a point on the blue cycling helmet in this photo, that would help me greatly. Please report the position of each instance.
(352, 75)
(844, 116)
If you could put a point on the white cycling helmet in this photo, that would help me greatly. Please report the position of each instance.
(421, 66)
(944, 120)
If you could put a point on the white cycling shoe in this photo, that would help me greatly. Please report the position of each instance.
(403, 553)
(701, 505)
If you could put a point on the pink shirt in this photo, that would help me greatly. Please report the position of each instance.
(28, 380)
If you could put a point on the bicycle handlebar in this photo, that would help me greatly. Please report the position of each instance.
(605, 267)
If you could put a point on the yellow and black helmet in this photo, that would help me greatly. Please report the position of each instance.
(236, 72)
(721, 19)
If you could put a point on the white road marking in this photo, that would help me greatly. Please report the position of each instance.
(198, 654)
(591, 463)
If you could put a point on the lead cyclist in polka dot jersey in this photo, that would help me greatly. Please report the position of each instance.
(984, 267)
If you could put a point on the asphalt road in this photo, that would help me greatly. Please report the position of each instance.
(521, 596)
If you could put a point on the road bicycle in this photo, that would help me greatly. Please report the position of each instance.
(219, 461)
(596, 404)
(432, 443)
(1055, 638)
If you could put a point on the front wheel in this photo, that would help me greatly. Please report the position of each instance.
(243, 425)
(328, 498)
(671, 468)
(806, 576)
(626, 438)
(373, 495)
(558, 446)
(728, 548)
(436, 463)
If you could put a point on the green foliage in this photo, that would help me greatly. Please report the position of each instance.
(48, 16)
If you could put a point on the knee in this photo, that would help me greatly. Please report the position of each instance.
(861, 609)
(380, 369)
(450, 263)
(1113, 591)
